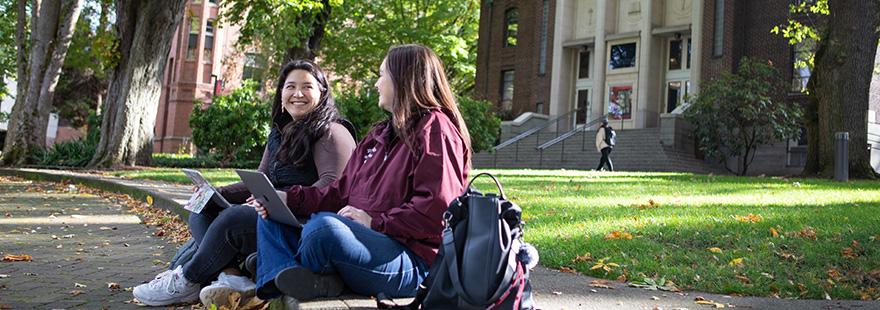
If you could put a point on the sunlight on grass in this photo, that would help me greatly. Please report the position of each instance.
(827, 233)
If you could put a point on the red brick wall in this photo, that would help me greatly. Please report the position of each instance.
(530, 87)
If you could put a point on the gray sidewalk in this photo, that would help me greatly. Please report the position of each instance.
(46, 285)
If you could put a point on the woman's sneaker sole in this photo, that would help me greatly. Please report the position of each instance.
(303, 284)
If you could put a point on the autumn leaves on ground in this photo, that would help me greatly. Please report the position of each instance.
(778, 237)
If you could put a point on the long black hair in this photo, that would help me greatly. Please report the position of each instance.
(299, 136)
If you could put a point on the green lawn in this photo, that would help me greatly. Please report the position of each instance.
(698, 233)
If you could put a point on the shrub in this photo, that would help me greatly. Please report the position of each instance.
(483, 125)
(234, 127)
(361, 109)
(75, 153)
(734, 114)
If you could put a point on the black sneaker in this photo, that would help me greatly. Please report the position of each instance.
(303, 284)
(250, 263)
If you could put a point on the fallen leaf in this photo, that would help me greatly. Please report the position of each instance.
(113, 285)
(618, 235)
(582, 258)
(557, 293)
(774, 233)
(743, 279)
(17, 258)
(8, 214)
(78, 285)
(655, 298)
(601, 284)
(150, 202)
(752, 218)
(4, 276)
(75, 292)
(715, 250)
(621, 278)
(567, 269)
(736, 262)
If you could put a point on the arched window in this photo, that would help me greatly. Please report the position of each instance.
(511, 25)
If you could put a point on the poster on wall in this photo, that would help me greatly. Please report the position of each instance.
(620, 102)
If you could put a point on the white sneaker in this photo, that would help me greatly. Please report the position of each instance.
(169, 289)
(219, 291)
(162, 274)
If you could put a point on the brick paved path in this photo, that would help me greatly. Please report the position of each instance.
(78, 242)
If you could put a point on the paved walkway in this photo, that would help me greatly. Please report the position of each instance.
(101, 243)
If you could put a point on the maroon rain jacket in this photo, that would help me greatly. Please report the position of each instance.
(404, 191)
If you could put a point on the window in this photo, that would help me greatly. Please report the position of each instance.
(209, 39)
(195, 25)
(542, 65)
(507, 90)
(253, 67)
(675, 55)
(622, 56)
(673, 96)
(689, 54)
(214, 2)
(583, 104)
(620, 102)
(511, 26)
(584, 65)
(718, 40)
(539, 107)
(801, 59)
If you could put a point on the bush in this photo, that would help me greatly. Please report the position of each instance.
(75, 153)
(361, 109)
(734, 114)
(189, 161)
(234, 127)
(483, 125)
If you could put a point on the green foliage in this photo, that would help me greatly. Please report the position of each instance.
(8, 49)
(360, 33)
(799, 33)
(75, 153)
(734, 114)
(274, 26)
(483, 125)
(234, 127)
(361, 109)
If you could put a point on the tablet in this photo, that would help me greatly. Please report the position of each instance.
(204, 192)
(264, 192)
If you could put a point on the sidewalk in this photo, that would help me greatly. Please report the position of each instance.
(131, 265)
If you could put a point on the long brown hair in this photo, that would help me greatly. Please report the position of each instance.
(419, 85)
(299, 136)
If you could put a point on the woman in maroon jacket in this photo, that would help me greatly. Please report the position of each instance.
(377, 228)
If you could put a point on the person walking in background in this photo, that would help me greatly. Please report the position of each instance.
(605, 137)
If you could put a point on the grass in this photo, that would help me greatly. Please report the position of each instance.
(804, 238)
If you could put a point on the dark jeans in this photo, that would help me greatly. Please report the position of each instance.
(225, 238)
(606, 159)
(368, 261)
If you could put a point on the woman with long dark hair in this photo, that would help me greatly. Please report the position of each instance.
(307, 145)
(378, 228)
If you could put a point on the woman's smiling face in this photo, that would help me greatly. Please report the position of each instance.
(300, 94)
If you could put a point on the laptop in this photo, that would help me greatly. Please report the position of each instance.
(264, 192)
(204, 193)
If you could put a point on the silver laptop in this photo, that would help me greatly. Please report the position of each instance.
(264, 192)
(199, 180)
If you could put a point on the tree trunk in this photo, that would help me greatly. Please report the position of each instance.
(844, 67)
(49, 41)
(309, 47)
(145, 29)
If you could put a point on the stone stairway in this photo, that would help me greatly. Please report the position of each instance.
(636, 150)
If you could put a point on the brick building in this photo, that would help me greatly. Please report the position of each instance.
(635, 58)
(203, 62)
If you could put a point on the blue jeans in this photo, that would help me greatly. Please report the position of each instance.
(368, 261)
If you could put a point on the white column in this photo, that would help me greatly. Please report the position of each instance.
(599, 104)
(697, 44)
(558, 102)
(641, 111)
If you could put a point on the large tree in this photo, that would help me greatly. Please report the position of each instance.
(145, 30)
(53, 24)
(360, 33)
(839, 87)
(282, 30)
(8, 51)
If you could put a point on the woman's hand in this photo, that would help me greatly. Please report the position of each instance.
(258, 206)
(356, 215)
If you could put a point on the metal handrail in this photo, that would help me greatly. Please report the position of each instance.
(533, 130)
(570, 133)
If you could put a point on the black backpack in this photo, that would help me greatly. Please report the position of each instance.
(478, 266)
(610, 136)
